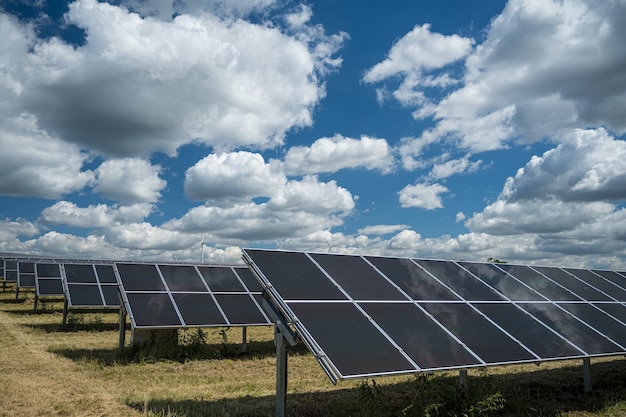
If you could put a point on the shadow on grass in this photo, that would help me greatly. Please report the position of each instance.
(548, 393)
(182, 352)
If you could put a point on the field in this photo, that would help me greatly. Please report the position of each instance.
(47, 369)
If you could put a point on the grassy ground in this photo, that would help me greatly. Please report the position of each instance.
(50, 370)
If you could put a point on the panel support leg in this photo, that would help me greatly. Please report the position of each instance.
(244, 339)
(17, 292)
(65, 308)
(35, 304)
(587, 374)
(463, 378)
(281, 372)
(120, 348)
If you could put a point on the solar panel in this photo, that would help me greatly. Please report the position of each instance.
(170, 296)
(10, 271)
(48, 281)
(90, 285)
(363, 316)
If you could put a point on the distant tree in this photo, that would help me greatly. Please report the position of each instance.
(495, 261)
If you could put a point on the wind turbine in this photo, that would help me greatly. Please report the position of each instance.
(202, 250)
(330, 247)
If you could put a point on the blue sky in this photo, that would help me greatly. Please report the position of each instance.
(137, 129)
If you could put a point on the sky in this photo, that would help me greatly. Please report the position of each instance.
(185, 130)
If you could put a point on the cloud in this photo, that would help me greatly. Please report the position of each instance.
(544, 68)
(34, 164)
(94, 216)
(140, 85)
(599, 172)
(339, 152)
(419, 50)
(422, 195)
(228, 176)
(294, 208)
(145, 236)
(566, 189)
(129, 181)
(454, 167)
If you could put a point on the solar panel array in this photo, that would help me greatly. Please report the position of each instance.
(91, 285)
(365, 316)
(162, 296)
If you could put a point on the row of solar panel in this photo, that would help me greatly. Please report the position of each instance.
(366, 315)
(154, 295)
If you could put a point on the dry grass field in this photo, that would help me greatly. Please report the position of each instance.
(50, 370)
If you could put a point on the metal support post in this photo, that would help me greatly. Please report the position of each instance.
(120, 349)
(281, 372)
(244, 339)
(65, 307)
(35, 304)
(463, 378)
(587, 374)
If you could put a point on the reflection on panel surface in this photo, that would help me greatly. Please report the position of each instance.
(357, 277)
(295, 277)
(549, 289)
(412, 279)
(362, 350)
(506, 284)
(461, 282)
(575, 285)
(485, 339)
(530, 332)
(569, 327)
(419, 336)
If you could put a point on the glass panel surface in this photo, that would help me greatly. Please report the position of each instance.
(597, 319)
(111, 295)
(240, 309)
(10, 276)
(502, 282)
(412, 279)
(50, 287)
(84, 295)
(294, 276)
(48, 270)
(80, 273)
(616, 310)
(573, 284)
(249, 279)
(349, 339)
(419, 336)
(106, 274)
(527, 330)
(539, 283)
(140, 277)
(26, 267)
(481, 336)
(10, 264)
(600, 283)
(152, 309)
(460, 281)
(357, 277)
(612, 276)
(582, 336)
(182, 278)
(198, 309)
(221, 279)
(26, 280)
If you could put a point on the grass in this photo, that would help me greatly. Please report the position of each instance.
(47, 369)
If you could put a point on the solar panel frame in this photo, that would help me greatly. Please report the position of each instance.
(87, 285)
(545, 301)
(164, 290)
